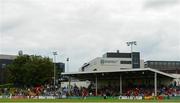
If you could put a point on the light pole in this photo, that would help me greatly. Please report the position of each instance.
(54, 53)
(131, 44)
(67, 65)
(67, 70)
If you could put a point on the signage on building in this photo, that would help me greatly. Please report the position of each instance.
(108, 61)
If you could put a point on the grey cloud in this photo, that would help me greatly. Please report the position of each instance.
(85, 29)
(160, 3)
(11, 25)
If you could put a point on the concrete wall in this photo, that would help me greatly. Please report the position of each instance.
(107, 64)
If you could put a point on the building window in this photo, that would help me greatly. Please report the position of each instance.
(156, 63)
(151, 63)
(169, 64)
(164, 64)
(177, 64)
(173, 64)
(125, 62)
(3, 66)
(160, 63)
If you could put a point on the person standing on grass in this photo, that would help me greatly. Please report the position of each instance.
(104, 95)
(128, 94)
(84, 93)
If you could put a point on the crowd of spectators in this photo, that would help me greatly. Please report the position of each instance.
(113, 91)
(74, 90)
(46, 90)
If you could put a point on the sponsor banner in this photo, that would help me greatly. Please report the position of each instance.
(46, 97)
(18, 97)
(109, 62)
(131, 97)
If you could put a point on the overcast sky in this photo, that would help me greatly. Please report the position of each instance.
(85, 29)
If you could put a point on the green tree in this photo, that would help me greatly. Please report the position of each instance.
(30, 70)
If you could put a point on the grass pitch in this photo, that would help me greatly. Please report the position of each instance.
(82, 100)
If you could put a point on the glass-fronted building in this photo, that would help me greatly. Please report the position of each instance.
(165, 66)
(4, 61)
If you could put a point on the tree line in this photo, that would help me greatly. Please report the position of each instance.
(30, 70)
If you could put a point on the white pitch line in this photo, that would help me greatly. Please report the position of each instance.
(93, 102)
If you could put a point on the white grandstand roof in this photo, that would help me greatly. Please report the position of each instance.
(123, 70)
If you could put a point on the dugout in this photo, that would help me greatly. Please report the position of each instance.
(124, 78)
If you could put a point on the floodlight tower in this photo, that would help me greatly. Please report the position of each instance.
(131, 44)
(55, 53)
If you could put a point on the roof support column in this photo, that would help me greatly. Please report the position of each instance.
(155, 84)
(120, 84)
(69, 85)
(96, 85)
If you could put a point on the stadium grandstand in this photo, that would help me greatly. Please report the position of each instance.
(114, 75)
(121, 74)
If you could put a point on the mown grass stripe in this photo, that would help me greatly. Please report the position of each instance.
(86, 100)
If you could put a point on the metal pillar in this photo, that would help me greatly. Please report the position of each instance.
(69, 85)
(96, 85)
(155, 84)
(120, 84)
